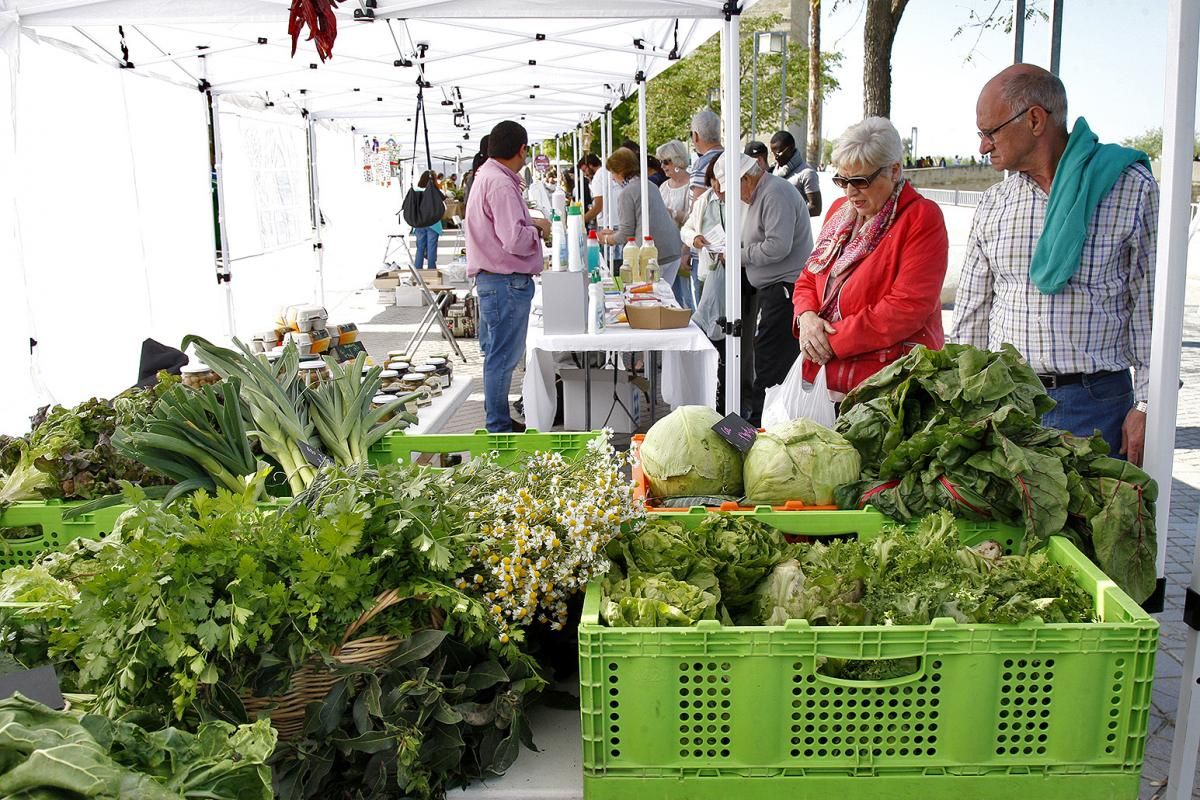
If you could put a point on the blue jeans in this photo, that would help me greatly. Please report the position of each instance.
(504, 302)
(1098, 404)
(427, 239)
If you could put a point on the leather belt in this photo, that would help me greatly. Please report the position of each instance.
(1053, 381)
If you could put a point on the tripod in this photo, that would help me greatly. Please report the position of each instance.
(436, 304)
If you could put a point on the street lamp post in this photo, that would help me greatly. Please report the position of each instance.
(777, 43)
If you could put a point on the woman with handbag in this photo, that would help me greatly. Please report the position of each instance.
(871, 290)
(427, 236)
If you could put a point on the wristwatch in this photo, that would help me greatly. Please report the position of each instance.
(1141, 406)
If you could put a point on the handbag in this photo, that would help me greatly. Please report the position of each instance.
(422, 208)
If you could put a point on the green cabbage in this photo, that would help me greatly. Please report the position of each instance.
(799, 460)
(683, 455)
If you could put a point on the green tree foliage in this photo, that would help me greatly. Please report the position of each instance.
(1151, 143)
(683, 89)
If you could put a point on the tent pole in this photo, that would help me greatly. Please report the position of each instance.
(220, 230)
(314, 197)
(1183, 53)
(731, 109)
(644, 157)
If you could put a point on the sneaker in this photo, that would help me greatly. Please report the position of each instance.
(516, 427)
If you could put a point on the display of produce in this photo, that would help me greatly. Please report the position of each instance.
(799, 460)
(50, 754)
(959, 428)
(682, 456)
(69, 453)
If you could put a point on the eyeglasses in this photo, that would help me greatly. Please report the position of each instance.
(857, 181)
(666, 162)
(990, 135)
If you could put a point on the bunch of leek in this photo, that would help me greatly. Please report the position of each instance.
(341, 411)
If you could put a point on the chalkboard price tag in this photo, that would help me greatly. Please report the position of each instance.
(737, 432)
(314, 456)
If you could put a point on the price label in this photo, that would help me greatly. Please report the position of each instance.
(541, 163)
(314, 456)
(737, 432)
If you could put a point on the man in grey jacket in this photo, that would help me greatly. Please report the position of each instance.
(776, 243)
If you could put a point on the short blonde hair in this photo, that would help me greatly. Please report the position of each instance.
(673, 151)
(623, 162)
(874, 142)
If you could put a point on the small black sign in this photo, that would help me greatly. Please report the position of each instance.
(40, 684)
(314, 456)
(347, 352)
(737, 432)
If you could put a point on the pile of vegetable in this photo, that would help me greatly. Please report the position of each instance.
(189, 609)
(959, 429)
(69, 452)
(47, 754)
(676, 576)
(687, 463)
(262, 415)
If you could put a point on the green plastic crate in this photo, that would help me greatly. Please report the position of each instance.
(401, 446)
(711, 713)
(53, 531)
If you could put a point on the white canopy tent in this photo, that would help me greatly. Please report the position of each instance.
(553, 66)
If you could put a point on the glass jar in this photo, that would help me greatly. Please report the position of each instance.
(197, 376)
(400, 366)
(313, 373)
(442, 369)
(389, 381)
(434, 384)
(381, 400)
(397, 355)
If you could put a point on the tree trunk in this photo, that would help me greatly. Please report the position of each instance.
(813, 156)
(879, 32)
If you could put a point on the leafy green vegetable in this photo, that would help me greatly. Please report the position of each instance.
(46, 753)
(652, 601)
(959, 429)
(799, 460)
(902, 578)
(682, 456)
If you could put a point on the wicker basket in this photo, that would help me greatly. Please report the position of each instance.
(312, 682)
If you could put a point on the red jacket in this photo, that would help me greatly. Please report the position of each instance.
(891, 302)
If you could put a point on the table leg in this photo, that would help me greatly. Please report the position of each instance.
(653, 375)
(587, 392)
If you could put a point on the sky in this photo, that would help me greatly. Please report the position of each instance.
(1113, 62)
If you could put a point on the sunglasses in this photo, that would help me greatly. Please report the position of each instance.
(857, 181)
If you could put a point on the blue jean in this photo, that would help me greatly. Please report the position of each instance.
(1095, 405)
(427, 239)
(504, 302)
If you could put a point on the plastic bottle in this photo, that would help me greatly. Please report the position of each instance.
(595, 322)
(648, 255)
(593, 251)
(558, 201)
(575, 254)
(557, 243)
(630, 256)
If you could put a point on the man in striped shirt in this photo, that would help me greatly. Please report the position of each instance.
(1084, 333)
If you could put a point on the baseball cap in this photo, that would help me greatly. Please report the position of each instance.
(744, 165)
(755, 148)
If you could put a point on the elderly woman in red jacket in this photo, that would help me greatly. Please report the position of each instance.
(871, 289)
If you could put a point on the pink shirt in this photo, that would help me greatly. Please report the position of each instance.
(501, 236)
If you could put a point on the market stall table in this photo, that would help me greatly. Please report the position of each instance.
(432, 418)
(689, 365)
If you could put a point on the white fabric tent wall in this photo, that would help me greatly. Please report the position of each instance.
(93, 217)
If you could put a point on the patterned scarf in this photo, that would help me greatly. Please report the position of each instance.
(840, 247)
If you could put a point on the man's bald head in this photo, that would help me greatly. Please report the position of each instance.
(1024, 85)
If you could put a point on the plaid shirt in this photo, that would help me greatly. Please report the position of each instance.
(1100, 321)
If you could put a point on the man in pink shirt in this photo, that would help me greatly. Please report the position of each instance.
(504, 252)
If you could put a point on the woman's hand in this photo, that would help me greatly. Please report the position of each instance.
(813, 334)
(699, 242)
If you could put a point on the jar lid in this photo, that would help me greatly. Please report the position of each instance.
(195, 369)
(398, 354)
(415, 377)
(399, 366)
(382, 399)
(312, 364)
(436, 361)
(389, 373)
(426, 368)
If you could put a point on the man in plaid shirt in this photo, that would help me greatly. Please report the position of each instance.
(1084, 332)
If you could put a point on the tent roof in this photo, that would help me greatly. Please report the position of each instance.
(550, 63)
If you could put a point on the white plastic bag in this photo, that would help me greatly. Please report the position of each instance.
(792, 399)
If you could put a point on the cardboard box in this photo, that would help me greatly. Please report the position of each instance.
(656, 317)
(384, 284)
(410, 296)
(612, 406)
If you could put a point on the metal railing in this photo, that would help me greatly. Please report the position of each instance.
(953, 197)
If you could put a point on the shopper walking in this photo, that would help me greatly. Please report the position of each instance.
(504, 252)
(427, 237)
(791, 166)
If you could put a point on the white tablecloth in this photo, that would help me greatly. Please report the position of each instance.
(689, 365)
